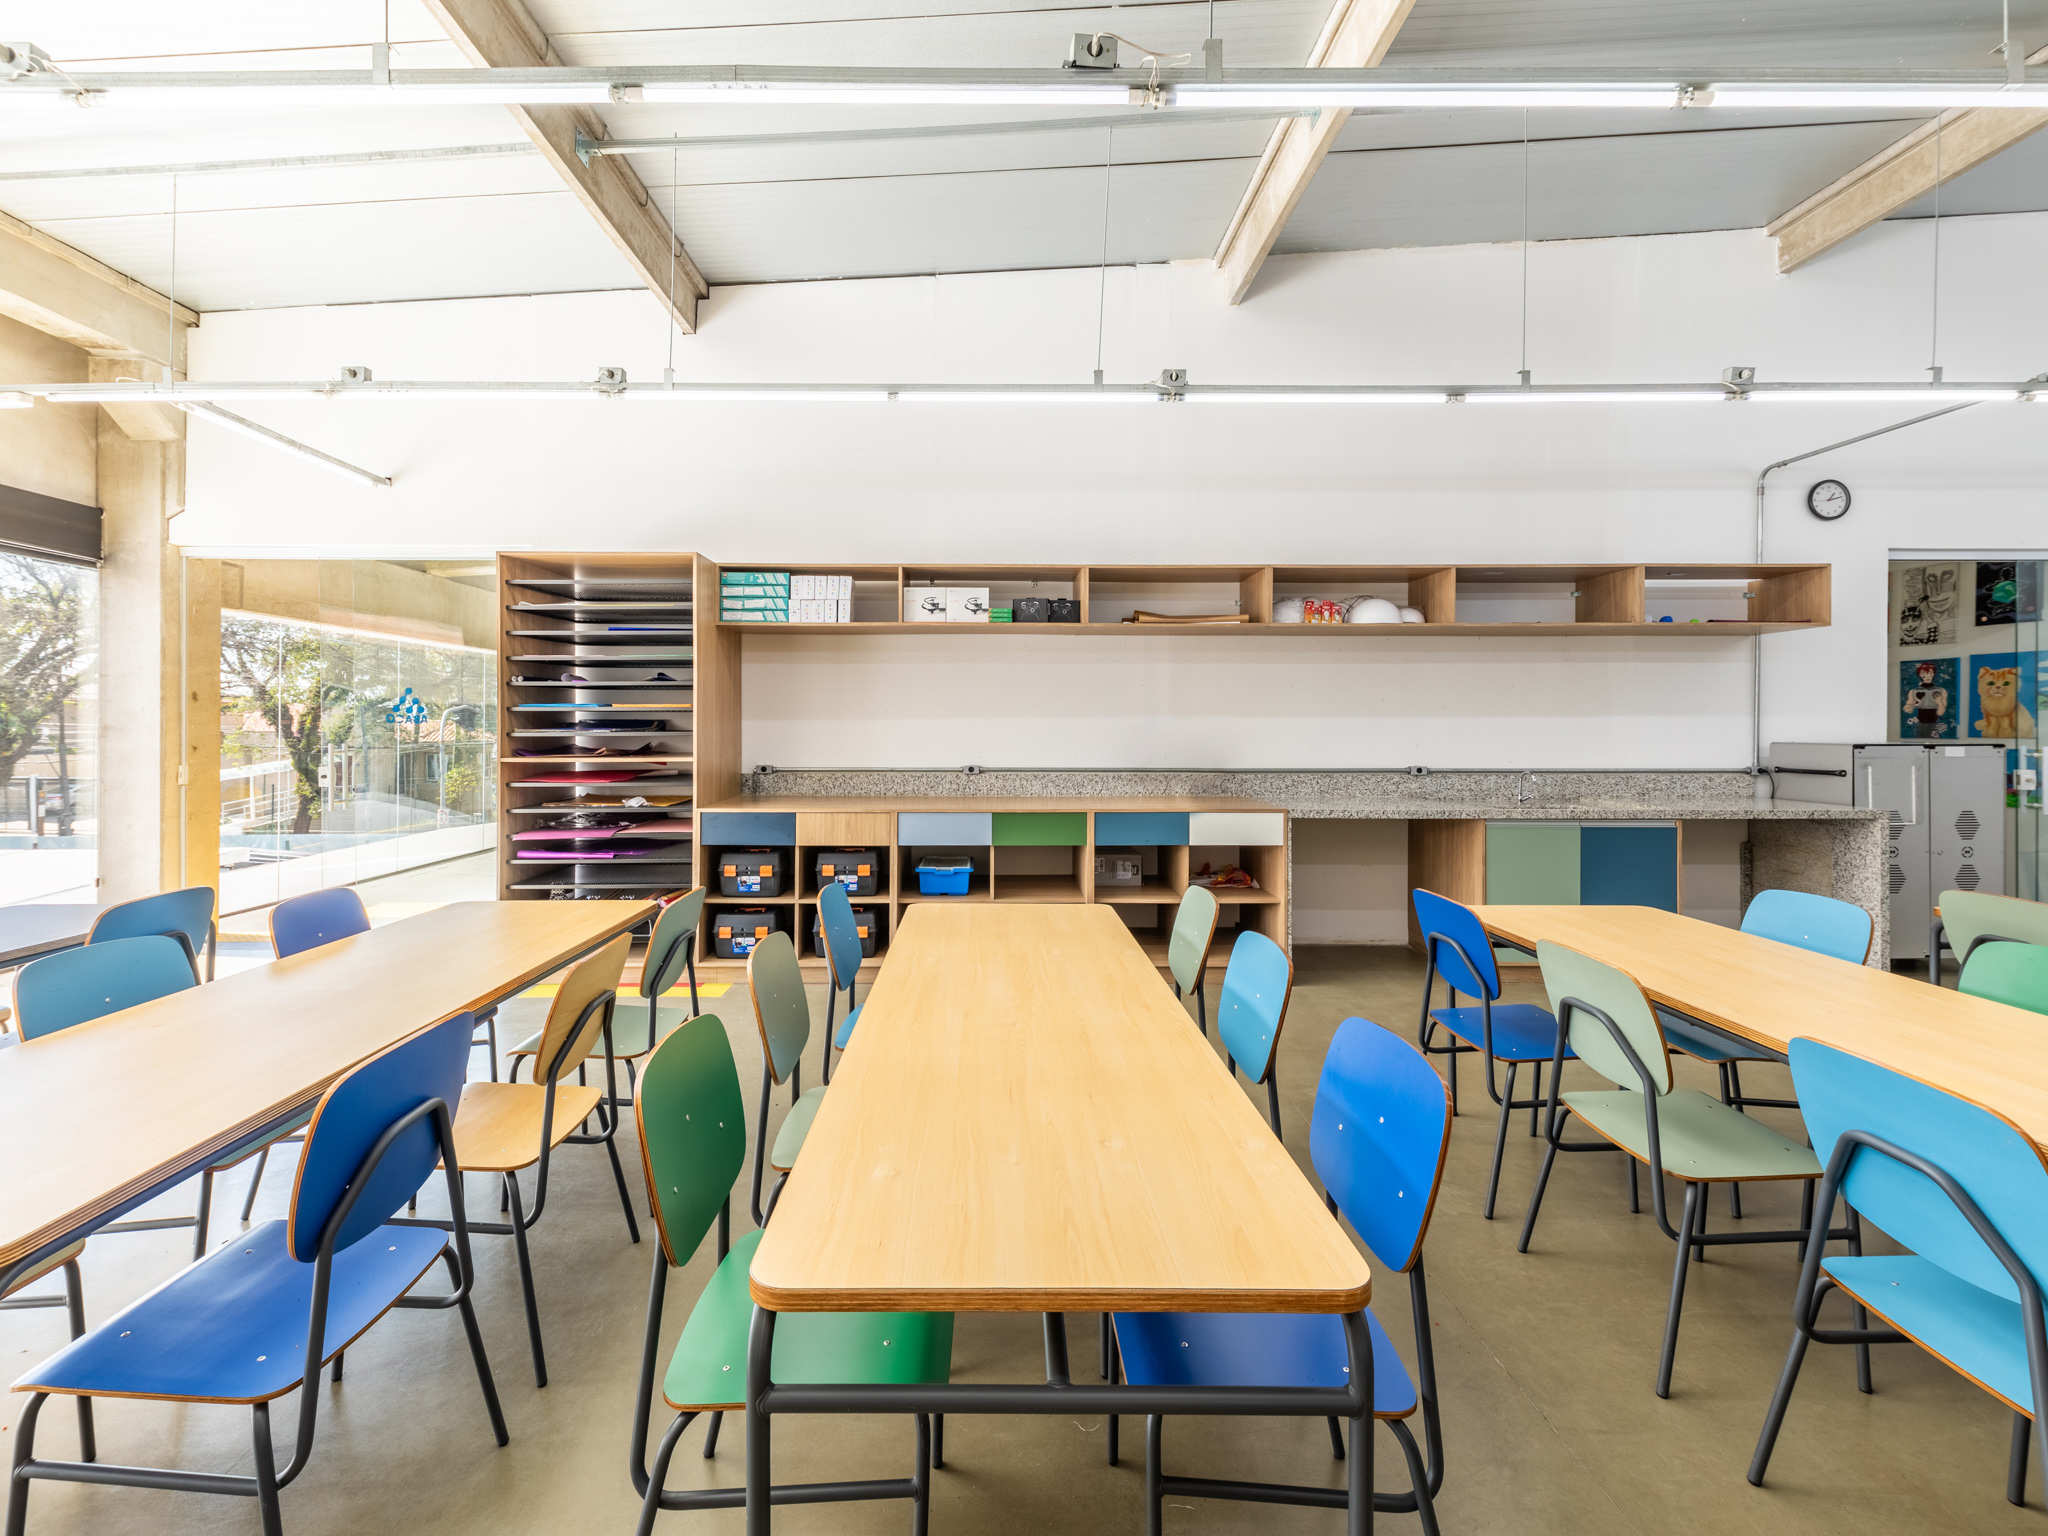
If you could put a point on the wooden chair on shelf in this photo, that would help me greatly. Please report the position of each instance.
(1187, 948)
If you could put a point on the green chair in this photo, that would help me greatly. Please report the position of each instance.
(1187, 950)
(2007, 972)
(693, 1142)
(1965, 919)
(782, 1011)
(637, 1023)
(1604, 1018)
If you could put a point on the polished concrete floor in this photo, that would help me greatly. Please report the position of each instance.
(1545, 1362)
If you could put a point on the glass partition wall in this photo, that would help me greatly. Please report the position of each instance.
(49, 731)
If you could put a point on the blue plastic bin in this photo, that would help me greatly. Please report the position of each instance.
(944, 877)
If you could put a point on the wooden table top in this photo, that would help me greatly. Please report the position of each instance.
(37, 928)
(102, 1111)
(1771, 993)
(970, 805)
(1028, 1121)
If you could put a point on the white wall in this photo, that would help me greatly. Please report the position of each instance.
(1289, 483)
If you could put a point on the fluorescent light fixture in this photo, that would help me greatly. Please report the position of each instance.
(1850, 394)
(1571, 396)
(16, 399)
(1284, 396)
(1655, 96)
(679, 393)
(1079, 394)
(1932, 97)
(825, 93)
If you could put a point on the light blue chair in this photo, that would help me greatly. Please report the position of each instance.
(76, 986)
(1456, 947)
(1257, 983)
(186, 916)
(265, 1314)
(1381, 1129)
(842, 961)
(1965, 1190)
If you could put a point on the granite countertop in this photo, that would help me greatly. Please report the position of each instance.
(1579, 810)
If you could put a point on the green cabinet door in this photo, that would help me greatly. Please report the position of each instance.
(1040, 829)
(1532, 863)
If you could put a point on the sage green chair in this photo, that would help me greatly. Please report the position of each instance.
(693, 1143)
(2011, 973)
(1187, 949)
(637, 1022)
(782, 1010)
(1608, 1024)
(1970, 918)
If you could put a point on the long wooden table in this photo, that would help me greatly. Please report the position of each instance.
(1770, 993)
(103, 1116)
(1029, 1122)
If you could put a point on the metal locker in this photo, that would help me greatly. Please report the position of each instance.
(1966, 822)
(1895, 779)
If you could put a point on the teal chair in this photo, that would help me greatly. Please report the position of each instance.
(1257, 983)
(637, 1023)
(186, 916)
(693, 1142)
(1603, 1017)
(782, 1012)
(76, 986)
(2008, 972)
(1961, 1188)
(1965, 919)
(842, 966)
(1187, 948)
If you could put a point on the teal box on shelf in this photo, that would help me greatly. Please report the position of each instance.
(779, 579)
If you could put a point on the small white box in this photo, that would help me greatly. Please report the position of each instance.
(924, 605)
(842, 588)
(844, 608)
(967, 605)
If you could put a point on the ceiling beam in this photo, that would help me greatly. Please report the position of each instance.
(502, 34)
(1356, 35)
(59, 290)
(1897, 175)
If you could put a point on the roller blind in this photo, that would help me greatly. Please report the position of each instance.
(47, 528)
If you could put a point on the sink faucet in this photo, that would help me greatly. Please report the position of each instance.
(1525, 791)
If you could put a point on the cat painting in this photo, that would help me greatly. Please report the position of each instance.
(1998, 697)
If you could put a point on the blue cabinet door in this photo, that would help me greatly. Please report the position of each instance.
(1629, 867)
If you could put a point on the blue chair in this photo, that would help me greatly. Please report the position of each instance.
(1257, 983)
(263, 1315)
(1381, 1129)
(1965, 1190)
(76, 986)
(186, 916)
(842, 962)
(1456, 947)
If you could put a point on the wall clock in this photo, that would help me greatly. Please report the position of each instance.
(1828, 500)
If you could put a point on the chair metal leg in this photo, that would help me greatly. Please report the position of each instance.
(611, 1146)
(938, 1441)
(1774, 1417)
(1202, 1007)
(1105, 1346)
(484, 1377)
(921, 1479)
(1687, 1224)
(1336, 1437)
(1455, 1053)
(1635, 1196)
(657, 1477)
(711, 1436)
(1535, 1093)
(540, 1362)
(1154, 1494)
(1425, 1506)
(205, 1211)
(1500, 1144)
(74, 1309)
(266, 1472)
(1273, 1094)
(255, 1183)
(1862, 1316)
(1805, 1217)
(1536, 1195)
(24, 1447)
(339, 1356)
(2016, 1466)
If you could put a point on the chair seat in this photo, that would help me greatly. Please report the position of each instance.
(1975, 1331)
(1706, 1045)
(629, 1028)
(497, 1127)
(796, 1125)
(1702, 1139)
(1521, 1031)
(845, 1030)
(55, 1261)
(232, 1328)
(1257, 1349)
(709, 1367)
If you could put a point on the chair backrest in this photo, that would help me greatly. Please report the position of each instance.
(75, 986)
(589, 979)
(1819, 923)
(842, 934)
(1967, 916)
(1459, 924)
(1256, 985)
(1187, 947)
(351, 1117)
(316, 918)
(668, 948)
(781, 1009)
(2008, 973)
(1381, 1130)
(1567, 973)
(186, 915)
(693, 1132)
(1989, 1156)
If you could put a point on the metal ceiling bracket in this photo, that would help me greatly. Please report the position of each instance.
(1173, 383)
(585, 144)
(1212, 60)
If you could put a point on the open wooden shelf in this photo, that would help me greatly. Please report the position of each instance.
(1151, 894)
(1041, 888)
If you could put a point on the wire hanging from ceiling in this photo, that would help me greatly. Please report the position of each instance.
(1523, 371)
(1102, 266)
(1934, 290)
(674, 180)
(171, 296)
